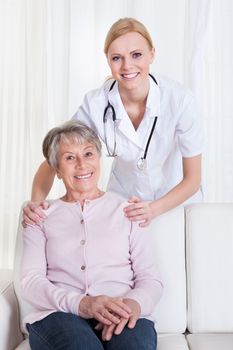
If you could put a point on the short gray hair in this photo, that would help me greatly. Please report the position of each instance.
(70, 131)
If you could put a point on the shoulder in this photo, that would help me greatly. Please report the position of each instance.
(116, 199)
(56, 206)
(175, 98)
(173, 89)
(114, 205)
(93, 106)
(99, 94)
(94, 102)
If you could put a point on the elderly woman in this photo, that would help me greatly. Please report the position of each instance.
(87, 270)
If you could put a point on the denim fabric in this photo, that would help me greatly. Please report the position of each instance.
(65, 331)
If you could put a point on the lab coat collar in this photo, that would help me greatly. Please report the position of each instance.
(115, 100)
(153, 99)
(152, 104)
(122, 118)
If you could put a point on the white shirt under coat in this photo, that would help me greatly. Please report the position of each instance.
(177, 134)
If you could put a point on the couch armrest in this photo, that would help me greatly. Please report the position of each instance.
(10, 334)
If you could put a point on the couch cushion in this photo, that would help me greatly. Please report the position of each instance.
(209, 267)
(169, 248)
(210, 341)
(10, 334)
(165, 342)
(172, 342)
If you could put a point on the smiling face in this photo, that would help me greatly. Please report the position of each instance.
(129, 57)
(79, 168)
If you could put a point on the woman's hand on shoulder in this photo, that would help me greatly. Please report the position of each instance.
(33, 214)
(139, 210)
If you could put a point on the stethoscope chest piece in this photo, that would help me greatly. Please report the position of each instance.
(141, 164)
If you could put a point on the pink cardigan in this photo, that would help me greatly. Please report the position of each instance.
(94, 251)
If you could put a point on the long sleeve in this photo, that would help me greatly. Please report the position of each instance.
(92, 250)
(148, 287)
(36, 288)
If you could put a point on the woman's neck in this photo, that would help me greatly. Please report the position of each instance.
(134, 102)
(137, 95)
(81, 196)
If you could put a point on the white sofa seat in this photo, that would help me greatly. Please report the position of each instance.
(193, 248)
(10, 334)
(172, 342)
(165, 342)
(222, 341)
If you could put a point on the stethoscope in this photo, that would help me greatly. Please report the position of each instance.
(141, 164)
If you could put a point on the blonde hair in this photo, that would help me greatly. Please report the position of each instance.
(124, 26)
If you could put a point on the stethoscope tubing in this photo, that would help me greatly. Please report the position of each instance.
(110, 106)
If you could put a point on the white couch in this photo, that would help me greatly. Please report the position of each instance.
(194, 250)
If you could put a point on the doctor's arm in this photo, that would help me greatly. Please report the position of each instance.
(145, 212)
(42, 183)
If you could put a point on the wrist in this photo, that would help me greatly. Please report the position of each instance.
(84, 307)
(157, 208)
(133, 304)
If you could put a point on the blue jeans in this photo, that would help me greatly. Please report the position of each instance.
(65, 331)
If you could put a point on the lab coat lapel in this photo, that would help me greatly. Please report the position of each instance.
(153, 101)
(126, 127)
(124, 123)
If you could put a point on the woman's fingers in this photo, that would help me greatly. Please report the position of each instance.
(134, 199)
(99, 326)
(107, 332)
(145, 223)
(121, 325)
(132, 321)
(106, 310)
(140, 211)
(32, 212)
(118, 307)
(107, 317)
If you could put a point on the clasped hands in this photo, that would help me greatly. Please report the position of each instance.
(113, 314)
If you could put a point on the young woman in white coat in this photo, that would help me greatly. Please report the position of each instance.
(148, 123)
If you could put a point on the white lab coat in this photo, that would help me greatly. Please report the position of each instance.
(177, 134)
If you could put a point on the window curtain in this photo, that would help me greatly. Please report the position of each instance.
(23, 109)
(52, 53)
(209, 73)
